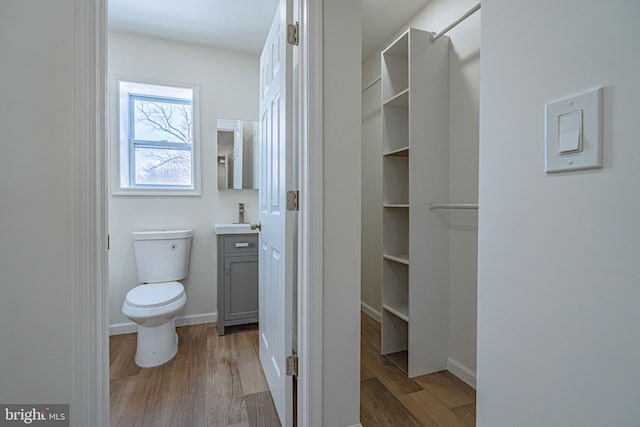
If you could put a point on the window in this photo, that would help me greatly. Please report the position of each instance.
(157, 140)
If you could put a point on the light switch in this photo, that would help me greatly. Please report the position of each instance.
(570, 132)
(573, 132)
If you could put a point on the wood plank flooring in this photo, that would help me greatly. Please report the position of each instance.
(212, 381)
(218, 381)
(389, 398)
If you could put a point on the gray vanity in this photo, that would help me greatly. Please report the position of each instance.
(237, 275)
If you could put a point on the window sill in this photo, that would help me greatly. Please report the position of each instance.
(157, 192)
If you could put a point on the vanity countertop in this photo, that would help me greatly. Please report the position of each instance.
(221, 229)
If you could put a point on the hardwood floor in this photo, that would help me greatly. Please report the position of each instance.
(218, 381)
(212, 381)
(389, 398)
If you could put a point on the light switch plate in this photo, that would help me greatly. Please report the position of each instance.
(590, 155)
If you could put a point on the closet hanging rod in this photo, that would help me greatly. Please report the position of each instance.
(470, 12)
(367, 87)
(453, 206)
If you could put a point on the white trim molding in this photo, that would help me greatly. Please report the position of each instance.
(310, 295)
(90, 393)
(371, 312)
(119, 149)
(461, 371)
(188, 320)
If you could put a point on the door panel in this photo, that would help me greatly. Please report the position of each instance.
(276, 237)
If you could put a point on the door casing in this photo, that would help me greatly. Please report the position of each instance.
(89, 285)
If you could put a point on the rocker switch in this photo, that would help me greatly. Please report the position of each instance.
(570, 132)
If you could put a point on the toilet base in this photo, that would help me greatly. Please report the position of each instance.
(156, 344)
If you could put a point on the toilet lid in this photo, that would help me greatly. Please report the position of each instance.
(154, 294)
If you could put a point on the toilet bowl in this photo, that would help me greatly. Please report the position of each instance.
(161, 258)
(154, 308)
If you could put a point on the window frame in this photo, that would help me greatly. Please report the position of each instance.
(124, 90)
(141, 143)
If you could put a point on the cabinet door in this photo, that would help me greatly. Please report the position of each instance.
(241, 287)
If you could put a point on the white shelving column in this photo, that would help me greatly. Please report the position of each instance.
(395, 216)
(415, 282)
(429, 182)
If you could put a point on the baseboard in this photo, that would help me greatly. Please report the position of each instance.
(461, 371)
(455, 367)
(122, 328)
(370, 311)
(196, 319)
(191, 319)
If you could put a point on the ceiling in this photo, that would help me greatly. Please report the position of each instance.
(381, 19)
(241, 25)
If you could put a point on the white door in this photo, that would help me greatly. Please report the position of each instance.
(277, 224)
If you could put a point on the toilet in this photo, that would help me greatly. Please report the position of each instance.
(162, 258)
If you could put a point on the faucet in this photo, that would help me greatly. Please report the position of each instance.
(240, 213)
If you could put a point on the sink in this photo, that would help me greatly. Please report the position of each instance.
(234, 229)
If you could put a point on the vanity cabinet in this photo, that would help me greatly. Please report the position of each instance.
(237, 280)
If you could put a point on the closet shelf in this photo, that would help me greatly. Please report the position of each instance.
(399, 100)
(395, 205)
(399, 309)
(453, 206)
(400, 152)
(401, 258)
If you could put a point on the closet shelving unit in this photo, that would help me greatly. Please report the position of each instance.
(415, 159)
(454, 206)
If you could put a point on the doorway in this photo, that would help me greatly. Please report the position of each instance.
(419, 230)
(222, 91)
(91, 291)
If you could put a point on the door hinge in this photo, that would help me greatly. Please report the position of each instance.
(293, 31)
(292, 365)
(293, 196)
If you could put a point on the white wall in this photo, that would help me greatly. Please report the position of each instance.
(36, 189)
(228, 88)
(341, 254)
(371, 240)
(464, 88)
(559, 277)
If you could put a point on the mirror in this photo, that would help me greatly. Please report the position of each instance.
(237, 154)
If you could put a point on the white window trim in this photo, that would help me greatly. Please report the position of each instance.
(115, 137)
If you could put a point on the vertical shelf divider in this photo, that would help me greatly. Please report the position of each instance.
(415, 158)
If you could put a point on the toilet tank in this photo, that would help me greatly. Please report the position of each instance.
(162, 256)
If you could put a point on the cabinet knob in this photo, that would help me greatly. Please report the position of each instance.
(256, 226)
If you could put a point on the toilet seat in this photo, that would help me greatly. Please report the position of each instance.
(154, 294)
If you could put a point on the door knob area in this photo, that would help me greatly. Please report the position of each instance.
(256, 226)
